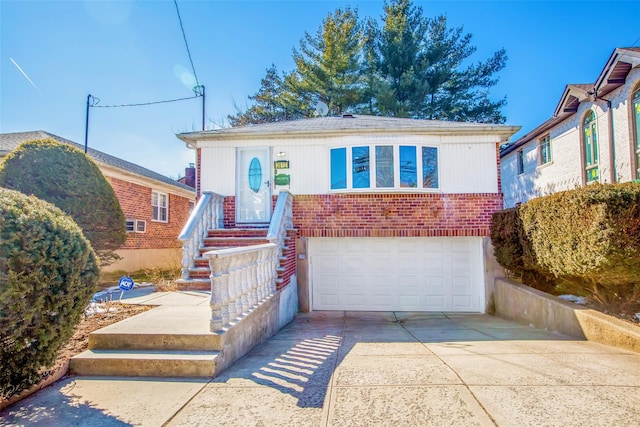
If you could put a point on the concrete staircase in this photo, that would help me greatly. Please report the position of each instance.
(166, 341)
(220, 238)
(174, 340)
(224, 238)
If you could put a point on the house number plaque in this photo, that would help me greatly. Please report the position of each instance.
(281, 164)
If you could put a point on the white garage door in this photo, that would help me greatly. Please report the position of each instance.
(397, 274)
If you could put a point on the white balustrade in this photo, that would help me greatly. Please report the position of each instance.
(282, 220)
(206, 215)
(241, 278)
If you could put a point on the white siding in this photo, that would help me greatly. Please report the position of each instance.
(468, 168)
(467, 164)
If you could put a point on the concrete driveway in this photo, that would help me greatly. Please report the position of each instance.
(373, 369)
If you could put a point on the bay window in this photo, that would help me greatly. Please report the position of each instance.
(384, 167)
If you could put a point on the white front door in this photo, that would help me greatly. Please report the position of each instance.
(253, 192)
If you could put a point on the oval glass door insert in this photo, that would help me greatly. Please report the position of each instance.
(255, 175)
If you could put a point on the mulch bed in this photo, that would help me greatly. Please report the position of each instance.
(78, 343)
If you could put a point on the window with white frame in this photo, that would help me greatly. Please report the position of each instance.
(384, 167)
(544, 150)
(636, 133)
(159, 206)
(135, 225)
(520, 161)
(590, 136)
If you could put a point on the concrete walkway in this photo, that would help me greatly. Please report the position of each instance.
(371, 369)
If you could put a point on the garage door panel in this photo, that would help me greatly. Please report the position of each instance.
(432, 246)
(458, 246)
(434, 265)
(408, 246)
(462, 303)
(462, 265)
(407, 282)
(329, 264)
(432, 274)
(435, 303)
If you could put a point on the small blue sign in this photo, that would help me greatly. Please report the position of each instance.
(125, 283)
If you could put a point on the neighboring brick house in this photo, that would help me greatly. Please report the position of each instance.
(391, 214)
(155, 206)
(593, 136)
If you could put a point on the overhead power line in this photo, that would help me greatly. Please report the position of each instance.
(95, 101)
(184, 36)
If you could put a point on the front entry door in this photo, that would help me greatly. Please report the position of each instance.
(253, 192)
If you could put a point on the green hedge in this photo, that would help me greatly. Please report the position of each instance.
(48, 273)
(588, 237)
(65, 176)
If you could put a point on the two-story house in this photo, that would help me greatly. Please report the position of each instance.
(593, 136)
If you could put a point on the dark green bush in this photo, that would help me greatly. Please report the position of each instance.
(588, 238)
(591, 232)
(505, 236)
(48, 273)
(65, 176)
(513, 250)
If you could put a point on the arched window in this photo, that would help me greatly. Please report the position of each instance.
(636, 123)
(590, 134)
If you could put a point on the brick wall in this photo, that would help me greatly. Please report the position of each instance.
(229, 210)
(388, 215)
(135, 201)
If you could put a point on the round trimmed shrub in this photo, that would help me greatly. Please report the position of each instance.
(65, 176)
(48, 273)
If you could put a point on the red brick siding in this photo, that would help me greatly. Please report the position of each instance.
(229, 210)
(135, 201)
(388, 215)
(288, 265)
(395, 215)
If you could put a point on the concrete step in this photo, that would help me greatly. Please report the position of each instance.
(112, 340)
(145, 363)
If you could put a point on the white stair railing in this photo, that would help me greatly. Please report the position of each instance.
(241, 279)
(207, 215)
(281, 221)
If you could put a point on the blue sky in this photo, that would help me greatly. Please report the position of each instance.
(54, 53)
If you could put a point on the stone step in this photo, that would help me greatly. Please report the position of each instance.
(145, 363)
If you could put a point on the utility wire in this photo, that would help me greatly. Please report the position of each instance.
(186, 44)
(95, 104)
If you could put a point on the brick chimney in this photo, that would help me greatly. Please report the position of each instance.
(189, 176)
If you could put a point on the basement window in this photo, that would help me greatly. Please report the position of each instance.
(135, 226)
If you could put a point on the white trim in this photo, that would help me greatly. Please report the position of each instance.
(135, 223)
(166, 207)
(419, 146)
